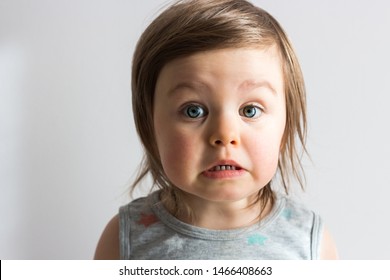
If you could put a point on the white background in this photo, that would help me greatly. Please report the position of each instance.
(68, 147)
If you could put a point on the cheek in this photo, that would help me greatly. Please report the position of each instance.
(177, 151)
(264, 154)
(265, 151)
(173, 149)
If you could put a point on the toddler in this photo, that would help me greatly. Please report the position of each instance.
(219, 105)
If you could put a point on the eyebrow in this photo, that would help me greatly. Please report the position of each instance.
(193, 85)
(245, 86)
(249, 85)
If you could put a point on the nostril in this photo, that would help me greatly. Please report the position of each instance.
(220, 142)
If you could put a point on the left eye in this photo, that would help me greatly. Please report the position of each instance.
(251, 111)
(194, 111)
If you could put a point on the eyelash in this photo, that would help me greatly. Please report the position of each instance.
(203, 112)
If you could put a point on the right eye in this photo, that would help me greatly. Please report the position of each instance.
(194, 111)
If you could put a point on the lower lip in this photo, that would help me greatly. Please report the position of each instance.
(223, 174)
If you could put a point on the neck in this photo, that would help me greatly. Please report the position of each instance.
(223, 215)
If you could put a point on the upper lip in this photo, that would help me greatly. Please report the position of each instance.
(224, 162)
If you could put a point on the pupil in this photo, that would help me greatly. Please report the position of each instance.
(250, 111)
(194, 111)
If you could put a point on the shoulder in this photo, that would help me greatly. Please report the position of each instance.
(296, 212)
(108, 245)
(328, 250)
(323, 243)
(303, 220)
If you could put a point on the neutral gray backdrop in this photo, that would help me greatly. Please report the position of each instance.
(68, 148)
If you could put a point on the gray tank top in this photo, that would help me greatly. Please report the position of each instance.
(149, 231)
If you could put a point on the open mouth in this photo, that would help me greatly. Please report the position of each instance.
(224, 167)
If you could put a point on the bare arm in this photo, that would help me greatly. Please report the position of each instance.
(108, 245)
(328, 249)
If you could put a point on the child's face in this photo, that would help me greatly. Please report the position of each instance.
(219, 119)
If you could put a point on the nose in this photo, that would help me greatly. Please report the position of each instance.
(224, 132)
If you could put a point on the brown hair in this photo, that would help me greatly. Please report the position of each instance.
(190, 26)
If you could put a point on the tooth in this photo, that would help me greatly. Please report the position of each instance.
(223, 168)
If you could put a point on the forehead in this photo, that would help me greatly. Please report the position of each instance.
(234, 67)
